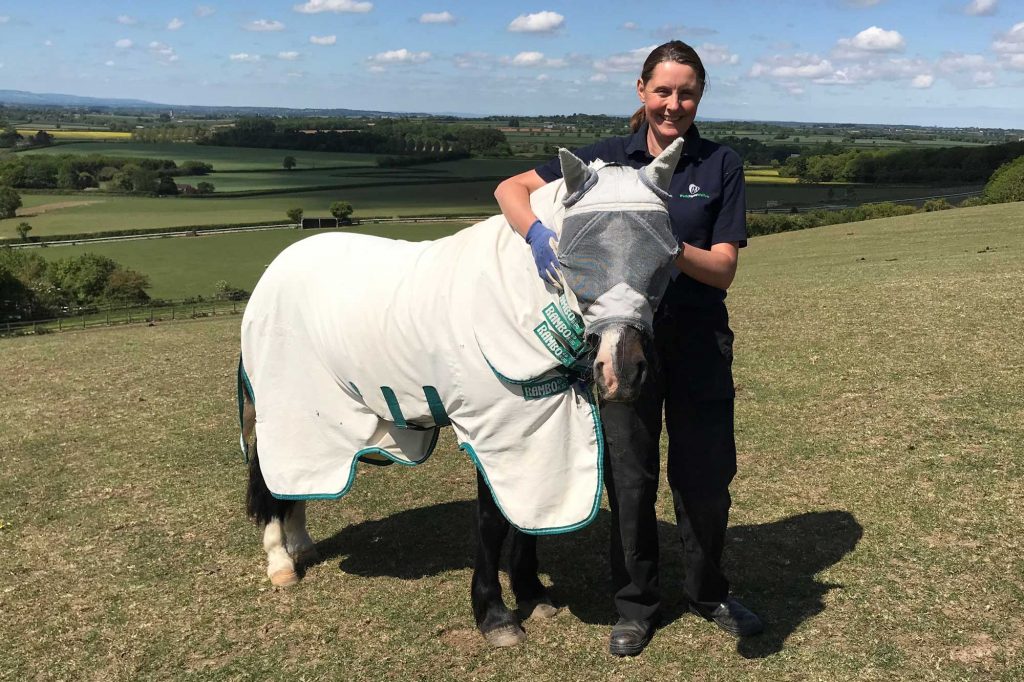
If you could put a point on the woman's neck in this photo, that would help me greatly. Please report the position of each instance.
(656, 145)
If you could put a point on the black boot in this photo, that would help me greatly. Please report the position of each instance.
(629, 637)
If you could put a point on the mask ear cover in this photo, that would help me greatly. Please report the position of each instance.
(579, 177)
(658, 174)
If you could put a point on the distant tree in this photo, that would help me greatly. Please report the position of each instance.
(41, 139)
(23, 229)
(341, 210)
(166, 186)
(205, 188)
(82, 280)
(125, 285)
(513, 122)
(294, 215)
(1006, 183)
(194, 168)
(936, 205)
(226, 292)
(9, 136)
(289, 162)
(10, 202)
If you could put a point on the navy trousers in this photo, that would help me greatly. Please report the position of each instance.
(690, 379)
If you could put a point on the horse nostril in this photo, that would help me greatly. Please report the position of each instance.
(599, 368)
(641, 372)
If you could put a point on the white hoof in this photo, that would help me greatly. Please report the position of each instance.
(508, 635)
(537, 609)
(284, 578)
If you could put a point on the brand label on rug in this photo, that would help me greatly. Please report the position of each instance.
(551, 342)
(542, 389)
(561, 326)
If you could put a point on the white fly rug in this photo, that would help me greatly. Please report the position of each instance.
(359, 348)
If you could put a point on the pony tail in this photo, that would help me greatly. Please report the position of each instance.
(637, 119)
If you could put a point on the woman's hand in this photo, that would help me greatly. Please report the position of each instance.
(543, 241)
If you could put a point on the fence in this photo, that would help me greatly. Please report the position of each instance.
(118, 315)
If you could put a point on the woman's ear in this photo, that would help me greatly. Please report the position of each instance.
(640, 90)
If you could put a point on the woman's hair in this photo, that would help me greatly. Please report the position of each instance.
(673, 51)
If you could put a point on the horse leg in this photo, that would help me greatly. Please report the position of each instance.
(498, 625)
(532, 598)
(271, 512)
(297, 541)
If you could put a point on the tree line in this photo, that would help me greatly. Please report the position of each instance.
(33, 288)
(148, 176)
(832, 163)
(383, 137)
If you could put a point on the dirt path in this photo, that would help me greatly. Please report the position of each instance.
(30, 211)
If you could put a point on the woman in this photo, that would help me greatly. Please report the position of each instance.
(691, 377)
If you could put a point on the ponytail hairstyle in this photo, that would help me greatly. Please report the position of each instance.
(673, 51)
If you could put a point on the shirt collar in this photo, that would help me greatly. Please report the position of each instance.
(638, 141)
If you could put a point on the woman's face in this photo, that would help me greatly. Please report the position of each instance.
(670, 98)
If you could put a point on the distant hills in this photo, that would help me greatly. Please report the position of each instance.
(43, 99)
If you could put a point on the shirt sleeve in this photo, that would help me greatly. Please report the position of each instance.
(552, 170)
(731, 223)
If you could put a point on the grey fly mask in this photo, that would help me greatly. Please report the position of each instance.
(616, 248)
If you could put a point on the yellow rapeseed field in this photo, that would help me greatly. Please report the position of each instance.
(81, 134)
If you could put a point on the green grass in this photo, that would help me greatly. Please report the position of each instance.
(180, 267)
(70, 214)
(876, 522)
(222, 158)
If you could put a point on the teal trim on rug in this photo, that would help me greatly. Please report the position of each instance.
(355, 463)
(599, 432)
(396, 411)
(246, 386)
(437, 411)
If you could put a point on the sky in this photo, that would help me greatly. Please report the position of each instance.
(921, 62)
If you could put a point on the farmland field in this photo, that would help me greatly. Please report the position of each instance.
(876, 521)
(182, 267)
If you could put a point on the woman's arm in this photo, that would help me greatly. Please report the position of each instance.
(715, 267)
(513, 197)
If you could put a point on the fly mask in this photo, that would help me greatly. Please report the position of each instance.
(616, 247)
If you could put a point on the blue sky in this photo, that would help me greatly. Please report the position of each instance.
(941, 62)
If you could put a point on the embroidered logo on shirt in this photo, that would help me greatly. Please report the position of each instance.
(695, 193)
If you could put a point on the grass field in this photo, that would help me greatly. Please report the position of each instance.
(187, 266)
(876, 523)
(222, 158)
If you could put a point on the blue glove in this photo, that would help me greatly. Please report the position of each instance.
(542, 241)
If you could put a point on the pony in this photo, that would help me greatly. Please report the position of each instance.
(359, 349)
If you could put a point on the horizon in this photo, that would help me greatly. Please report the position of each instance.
(955, 63)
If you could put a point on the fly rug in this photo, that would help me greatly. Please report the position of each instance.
(357, 348)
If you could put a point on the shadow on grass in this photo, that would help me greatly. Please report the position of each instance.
(772, 566)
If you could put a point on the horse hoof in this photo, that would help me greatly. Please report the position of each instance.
(284, 577)
(538, 608)
(507, 635)
(307, 557)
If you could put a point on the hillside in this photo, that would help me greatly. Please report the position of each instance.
(876, 518)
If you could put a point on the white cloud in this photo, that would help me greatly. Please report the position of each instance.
(124, 43)
(4, 19)
(472, 60)
(48, 43)
(244, 57)
(1011, 42)
(862, 3)
(800, 66)
(711, 53)
(967, 70)
(599, 78)
(981, 8)
(109, 62)
(624, 62)
(317, 6)
(163, 52)
(174, 24)
(543, 77)
(540, 22)
(1014, 62)
(323, 40)
(630, 26)
(264, 25)
(288, 56)
(922, 81)
(402, 56)
(528, 59)
(870, 41)
(437, 18)
(204, 11)
(126, 20)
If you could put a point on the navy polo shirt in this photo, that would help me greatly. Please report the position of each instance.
(707, 204)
